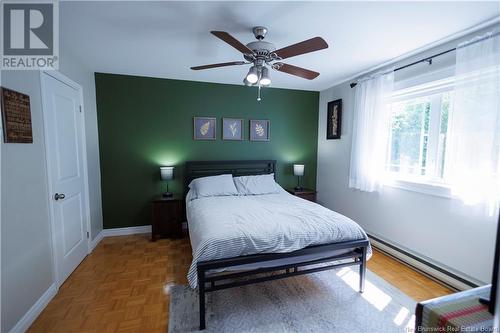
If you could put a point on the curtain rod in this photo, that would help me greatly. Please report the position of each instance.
(429, 59)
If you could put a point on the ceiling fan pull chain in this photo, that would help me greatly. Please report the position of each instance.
(258, 95)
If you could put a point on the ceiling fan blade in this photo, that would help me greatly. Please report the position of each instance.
(310, 45)
(294, 70)
(232, 41)
(222, 64)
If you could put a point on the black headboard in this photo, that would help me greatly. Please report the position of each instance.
(197, 169)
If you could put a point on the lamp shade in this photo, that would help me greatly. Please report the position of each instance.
(253, 75)
(246, 83)
(167, 173)
(265, 80)
(298, 169)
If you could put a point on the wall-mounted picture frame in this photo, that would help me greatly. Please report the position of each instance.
(260, 130)
(232, 129)
(16, 116)
(334, 120)
(204, 128)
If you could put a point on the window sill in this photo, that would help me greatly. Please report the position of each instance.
(435, 189)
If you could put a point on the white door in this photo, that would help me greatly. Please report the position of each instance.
(64, 139)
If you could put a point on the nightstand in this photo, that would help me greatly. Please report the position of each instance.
(168, 215)
(305, 193)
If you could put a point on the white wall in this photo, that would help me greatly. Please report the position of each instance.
(425, 225)
(26, 257)
(26, 267)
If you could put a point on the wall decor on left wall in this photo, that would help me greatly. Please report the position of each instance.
(204, 128)
(16, 116)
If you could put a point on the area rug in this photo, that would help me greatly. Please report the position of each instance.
(326, 301)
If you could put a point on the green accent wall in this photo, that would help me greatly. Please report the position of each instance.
(145, 123)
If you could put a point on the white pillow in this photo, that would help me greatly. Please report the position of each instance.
(260, 184)
(213, 186)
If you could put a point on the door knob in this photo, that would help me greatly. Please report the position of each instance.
(58, 196)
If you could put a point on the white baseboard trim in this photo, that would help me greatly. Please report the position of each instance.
(96, 240)
(118, 232)
(29, 317)
(126, 231)
(436, 274)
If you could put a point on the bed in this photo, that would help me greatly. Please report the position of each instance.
(239, 240)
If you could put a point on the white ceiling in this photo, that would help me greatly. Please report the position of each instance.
(164, 39)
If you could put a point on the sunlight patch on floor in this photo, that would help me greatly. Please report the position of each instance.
(401, 316)
(410, 326)
(372, 294)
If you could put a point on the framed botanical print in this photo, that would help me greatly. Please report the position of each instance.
(334, 119)
(260, 130)
(232, 129)
(204, 128)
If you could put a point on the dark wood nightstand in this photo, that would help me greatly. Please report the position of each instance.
(304, 194)
(168, 215)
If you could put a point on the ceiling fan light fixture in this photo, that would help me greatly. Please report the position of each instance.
(246, 83)
(253, 75)
(262, 54)
(265, 80)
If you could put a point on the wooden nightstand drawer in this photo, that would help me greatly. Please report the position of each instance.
(305, 193)
(167, 217)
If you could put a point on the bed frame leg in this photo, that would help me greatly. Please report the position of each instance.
(362, 271)
(201, 290)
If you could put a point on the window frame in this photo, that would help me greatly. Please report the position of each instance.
(433, 185)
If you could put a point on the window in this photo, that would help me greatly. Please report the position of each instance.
(419, 129)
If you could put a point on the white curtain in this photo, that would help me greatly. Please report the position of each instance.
(472, 161)
(371, 129)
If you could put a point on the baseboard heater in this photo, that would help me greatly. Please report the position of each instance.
(425, 267)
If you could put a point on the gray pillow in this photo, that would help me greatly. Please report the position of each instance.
(253, 185)
(213, 186)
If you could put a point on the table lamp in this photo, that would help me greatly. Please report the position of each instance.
(298, 170)
(167, 173)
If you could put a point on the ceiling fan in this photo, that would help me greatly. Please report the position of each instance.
(262, 54)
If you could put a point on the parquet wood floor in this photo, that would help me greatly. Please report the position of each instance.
(120, 287)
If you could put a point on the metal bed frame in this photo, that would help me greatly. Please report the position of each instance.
(218, 281)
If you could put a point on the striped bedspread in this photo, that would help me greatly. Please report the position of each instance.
(232, 226)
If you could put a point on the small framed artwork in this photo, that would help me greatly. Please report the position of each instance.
(260, 130)
(204, 128)
(16, 116)
(232, 129)
(334, 120)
